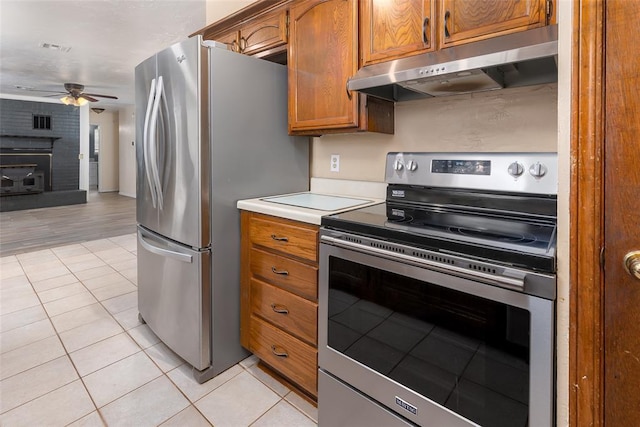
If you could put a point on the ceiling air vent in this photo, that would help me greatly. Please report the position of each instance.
(54, 46)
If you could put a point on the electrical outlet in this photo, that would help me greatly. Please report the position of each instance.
(335, 163)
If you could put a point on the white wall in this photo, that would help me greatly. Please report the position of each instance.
(217, 9)
(520, 119)
(565, 14)
(83, 183)
(108, 157)
(127, 152)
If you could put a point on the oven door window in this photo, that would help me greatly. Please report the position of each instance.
(464, 352)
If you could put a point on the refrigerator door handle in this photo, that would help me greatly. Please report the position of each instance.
(145, 141)
(178, 256)
(153, 143)
(165, 157)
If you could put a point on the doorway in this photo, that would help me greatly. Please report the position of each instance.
(94, 151)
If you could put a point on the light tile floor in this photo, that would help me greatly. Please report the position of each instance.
(75, 354)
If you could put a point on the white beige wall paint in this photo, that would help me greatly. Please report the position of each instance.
(565, 14)
(127, 151)
(520, 119)
(218, 9)
(83, 167)
(108, 156)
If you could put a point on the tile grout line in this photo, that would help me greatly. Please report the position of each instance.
(67, 354)
(141, 349)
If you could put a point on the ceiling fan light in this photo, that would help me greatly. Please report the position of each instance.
(70, 100)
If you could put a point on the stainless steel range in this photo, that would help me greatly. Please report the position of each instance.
(437, 307)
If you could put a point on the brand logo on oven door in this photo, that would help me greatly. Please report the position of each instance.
(406, 406)
(397, 193)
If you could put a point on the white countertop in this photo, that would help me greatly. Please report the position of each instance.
(307, 206)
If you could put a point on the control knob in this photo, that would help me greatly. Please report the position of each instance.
(412, 165)
(538, 170)
(515, 169)
(398, 166)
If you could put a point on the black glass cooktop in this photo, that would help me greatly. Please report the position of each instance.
(509, 239)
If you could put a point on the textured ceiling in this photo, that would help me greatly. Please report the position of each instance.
(108, 38)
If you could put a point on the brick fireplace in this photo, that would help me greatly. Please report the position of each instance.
(39, 149)
(26, 163)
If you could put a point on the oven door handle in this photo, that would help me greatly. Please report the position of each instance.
(515, 283)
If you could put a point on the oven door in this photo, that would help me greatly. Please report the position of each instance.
(435, 348)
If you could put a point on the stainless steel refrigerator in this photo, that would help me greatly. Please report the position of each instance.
(211, 129)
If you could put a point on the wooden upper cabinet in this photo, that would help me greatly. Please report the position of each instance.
(264, 33)
(322, 56)
(391, 29)
(260, 29)
(464, 21)
(230, 38)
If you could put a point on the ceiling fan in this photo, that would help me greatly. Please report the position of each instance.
(75, 95)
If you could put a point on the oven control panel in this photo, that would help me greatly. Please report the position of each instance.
(534, 173)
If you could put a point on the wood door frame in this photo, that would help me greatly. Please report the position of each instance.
(586, 332)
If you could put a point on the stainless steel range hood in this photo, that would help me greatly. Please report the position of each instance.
(520, 59)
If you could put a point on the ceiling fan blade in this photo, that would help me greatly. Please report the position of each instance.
(46, 91)
(101, 96)
(87, 97)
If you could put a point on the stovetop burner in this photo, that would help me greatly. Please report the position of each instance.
(533, 233)
(503, 217)
(500, 237)
(532, 246)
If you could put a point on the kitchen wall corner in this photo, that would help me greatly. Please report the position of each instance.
(565, 15)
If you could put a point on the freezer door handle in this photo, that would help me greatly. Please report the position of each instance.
(178, 256)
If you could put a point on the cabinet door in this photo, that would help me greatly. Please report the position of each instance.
(463, 21)
(322, 55)
(264, 33)
(391, 29)
(230, 38)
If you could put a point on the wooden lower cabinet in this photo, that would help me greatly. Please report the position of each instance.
(296, 315)
(279, 296)
(294, 359)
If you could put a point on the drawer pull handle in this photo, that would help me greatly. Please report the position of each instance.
(279, 239)
(281, 272)
(279, 353)
(278, 308)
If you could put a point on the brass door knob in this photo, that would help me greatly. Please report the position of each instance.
(632, 263)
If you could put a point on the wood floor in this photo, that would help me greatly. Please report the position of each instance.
(104, 215)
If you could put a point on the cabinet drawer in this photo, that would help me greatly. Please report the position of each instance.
(292, 275)
(289, 356)
(286, 236)
(295, 315)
